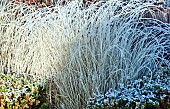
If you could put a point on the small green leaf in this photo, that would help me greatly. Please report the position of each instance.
(37, 102)
(6, 90)
(44, 106)
(23, 101)
(10, 106)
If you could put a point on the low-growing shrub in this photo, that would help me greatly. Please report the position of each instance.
(145, 93)
(18, 93)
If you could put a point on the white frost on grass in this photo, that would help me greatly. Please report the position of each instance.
(83, 50)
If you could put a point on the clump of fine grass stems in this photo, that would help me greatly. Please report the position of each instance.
(82, 50)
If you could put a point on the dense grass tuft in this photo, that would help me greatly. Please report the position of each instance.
(82, 50)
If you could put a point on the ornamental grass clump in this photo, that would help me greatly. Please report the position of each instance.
(116, 43)
(85, 49)
(18, 93)
(143, 93)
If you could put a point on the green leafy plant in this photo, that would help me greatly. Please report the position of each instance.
(18, 93)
